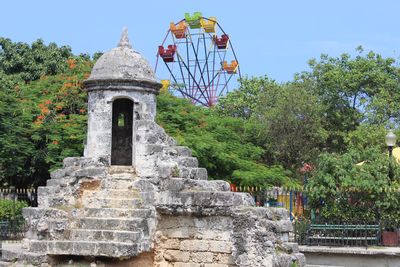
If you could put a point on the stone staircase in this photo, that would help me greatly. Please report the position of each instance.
(108, 215)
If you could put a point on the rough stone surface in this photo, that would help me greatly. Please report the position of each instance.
(160, 211)
(122, 62)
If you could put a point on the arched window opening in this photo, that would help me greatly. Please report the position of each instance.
(122, 123)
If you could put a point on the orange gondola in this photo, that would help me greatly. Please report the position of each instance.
(230, 68)
(179, 30)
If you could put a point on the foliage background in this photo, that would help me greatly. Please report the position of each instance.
(332, 116)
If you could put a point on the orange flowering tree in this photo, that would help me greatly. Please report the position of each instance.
(52, 111)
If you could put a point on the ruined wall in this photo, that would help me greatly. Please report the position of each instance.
(161, 211)
(194, 241)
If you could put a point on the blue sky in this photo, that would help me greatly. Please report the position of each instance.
(276, 38)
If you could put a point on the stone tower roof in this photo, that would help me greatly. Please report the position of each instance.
(122, 63)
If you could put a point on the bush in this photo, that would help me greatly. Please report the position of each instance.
(11, 210)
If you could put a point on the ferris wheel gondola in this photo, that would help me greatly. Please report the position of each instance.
(200, 59)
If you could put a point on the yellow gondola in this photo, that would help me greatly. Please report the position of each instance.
(209, 25)
(165, 85)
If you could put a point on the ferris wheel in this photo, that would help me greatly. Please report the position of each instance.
(200, 59)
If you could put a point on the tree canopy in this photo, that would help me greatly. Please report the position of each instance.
(332, 116)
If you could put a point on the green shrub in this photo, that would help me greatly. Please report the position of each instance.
(11, 210)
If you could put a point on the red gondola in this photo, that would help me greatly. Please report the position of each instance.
(167, 54)
(222, 42)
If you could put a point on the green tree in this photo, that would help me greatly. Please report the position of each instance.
(284, 119)
(30, 62)
(291, 125)
(16, 147)
(221, 143)
(354, 185)
(41, 123)
(245, 101)
(354, 90)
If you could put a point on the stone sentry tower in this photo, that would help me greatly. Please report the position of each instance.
(122, 90)
(136, 198)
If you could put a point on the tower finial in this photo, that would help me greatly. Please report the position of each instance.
(124, 42)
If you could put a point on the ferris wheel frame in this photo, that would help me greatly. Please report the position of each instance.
(203, 73)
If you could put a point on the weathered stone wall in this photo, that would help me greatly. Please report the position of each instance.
(98, 144)
(194, 241)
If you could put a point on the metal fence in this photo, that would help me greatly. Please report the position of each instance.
(12, 224)
(315, 231)
(292, 200)
(335, 233)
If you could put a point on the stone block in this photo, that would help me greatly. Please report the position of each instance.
(183, 172)
(194, 245)
(57, 174)
(182, 232)
(104, 235)
(114, 212)
(223, 258)
(163, 264)
(176, 255)
(280, 214)
(46, 191)
(201, 257)
(198, 174)
(170, 244)
(153, 149)
(60, 247)
(186, 264)
(105, 223)
(220, 246)
(216, 265)
(183, 151)
(189, 162)
(216, 234)
(219, 185)
(14, 251)
(284, 226)
(37, 246)
(71, 161)
(90, 172)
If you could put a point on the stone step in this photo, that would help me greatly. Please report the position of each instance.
(89, 248)
(118, 183)
(123, 224)
(167, 150)
(114, 213)
(12, 252)
(126, 203)
(53, 201)
(194, 199)
(189, 162)
(124, 170)
(182, 184)
(90, 172)
(65, 181)
(105, 235)
(115, 193)
(192, 173)
(7, 264)
(63, 172)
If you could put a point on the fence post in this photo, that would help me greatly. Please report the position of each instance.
(291, 205)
